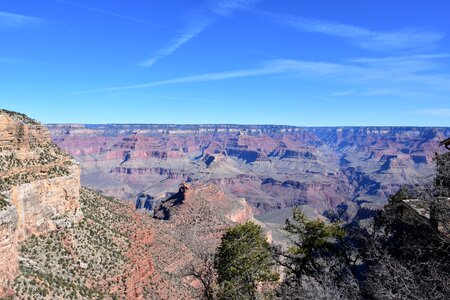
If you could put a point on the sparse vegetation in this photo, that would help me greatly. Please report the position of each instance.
(19, 117)
(82, 262)
(3, 203)
(45, 161)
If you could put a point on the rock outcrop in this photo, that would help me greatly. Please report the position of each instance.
(9, 267)
(39, 184)
(46, 204)
(189, 225)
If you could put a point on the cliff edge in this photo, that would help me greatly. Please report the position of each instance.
(39, 188)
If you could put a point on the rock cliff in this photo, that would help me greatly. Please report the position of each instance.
(9, 267)
(39, 186)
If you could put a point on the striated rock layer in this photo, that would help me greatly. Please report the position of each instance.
(273, 167)
(39, 187)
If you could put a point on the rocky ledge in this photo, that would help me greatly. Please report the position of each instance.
(39, 188)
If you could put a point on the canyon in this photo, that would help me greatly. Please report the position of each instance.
(187, 184)
(273, 167)
(60, 240)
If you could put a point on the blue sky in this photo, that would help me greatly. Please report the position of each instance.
(307, 63)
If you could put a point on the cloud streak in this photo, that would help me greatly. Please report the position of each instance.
(269, 70)
(199, 23)
(274, 67)
(14, 21)
(188, 33)
(362, 72)
(410, 39)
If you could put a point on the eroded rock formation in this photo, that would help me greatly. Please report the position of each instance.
(273, 167)
(39, 186)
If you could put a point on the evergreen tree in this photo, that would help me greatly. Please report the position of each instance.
(244, 262)
(312, 241)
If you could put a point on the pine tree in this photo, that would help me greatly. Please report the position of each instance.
(244, 262)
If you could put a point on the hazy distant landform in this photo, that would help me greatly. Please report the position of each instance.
(272, 167)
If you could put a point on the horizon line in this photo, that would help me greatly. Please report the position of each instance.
(246, 125)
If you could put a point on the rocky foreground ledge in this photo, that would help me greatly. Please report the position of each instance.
(39, 188)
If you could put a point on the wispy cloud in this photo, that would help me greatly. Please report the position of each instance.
(436, 112)
(411, 39)
(12, 21)
(189, 32)
(200, 22)
(378, 91)
(274, 67)
(268, 70)
(375, 79)
(416, 57)
(113, 14)
(429, 69)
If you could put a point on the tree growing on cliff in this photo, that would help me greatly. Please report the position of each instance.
(311, 242)
(314, 265)
(244, 262)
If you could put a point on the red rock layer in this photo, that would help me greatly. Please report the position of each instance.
(271, 166)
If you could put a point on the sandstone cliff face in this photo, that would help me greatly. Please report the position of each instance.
(17, 130)
(9, 267)
(45, 204)
(39, 183)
